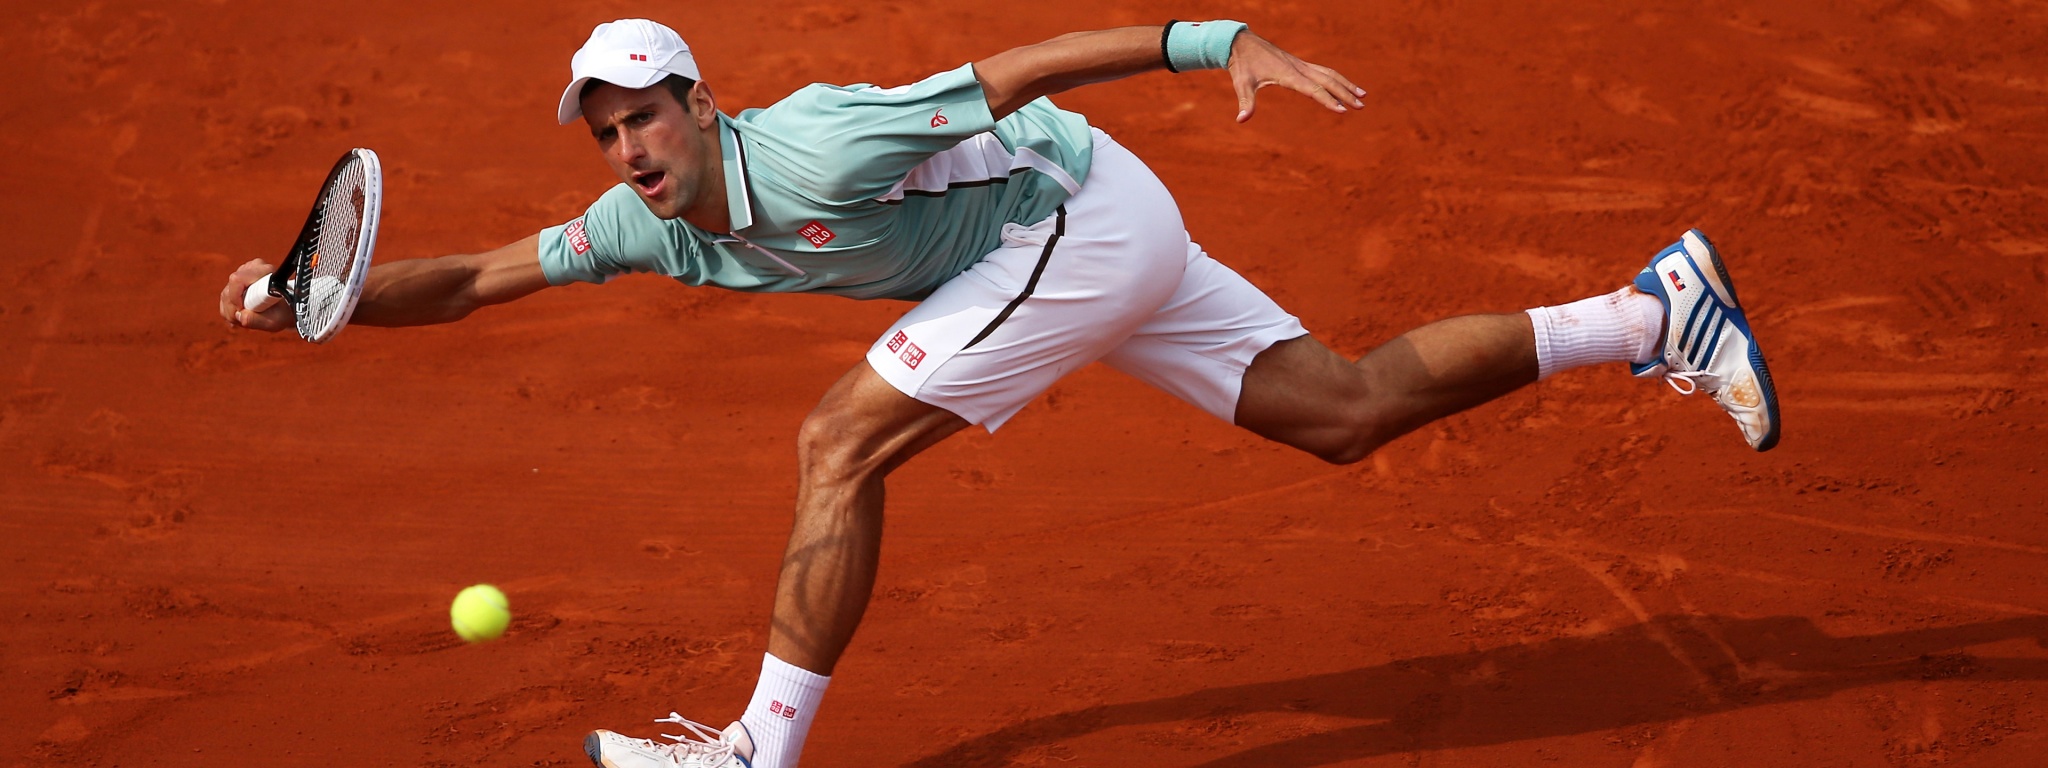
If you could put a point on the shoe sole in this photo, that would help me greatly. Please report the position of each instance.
(1740, 320)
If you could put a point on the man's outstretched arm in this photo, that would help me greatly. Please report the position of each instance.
(411, 292)
(1014, 77)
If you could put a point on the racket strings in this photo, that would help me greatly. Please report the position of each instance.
(336, 236)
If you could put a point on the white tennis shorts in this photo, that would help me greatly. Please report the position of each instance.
(1111, 276)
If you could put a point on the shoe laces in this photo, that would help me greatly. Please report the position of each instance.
(702, 742)
(1688, 382)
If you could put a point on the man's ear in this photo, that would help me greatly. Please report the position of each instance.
(703, 106)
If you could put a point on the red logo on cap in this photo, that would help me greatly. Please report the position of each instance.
(817, 234)
(637, 56)
(578, 239)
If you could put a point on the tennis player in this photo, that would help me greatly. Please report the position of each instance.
(1033, 245)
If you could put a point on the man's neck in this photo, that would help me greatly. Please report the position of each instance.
(713, 211)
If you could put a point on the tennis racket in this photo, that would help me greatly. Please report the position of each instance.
(323, 276)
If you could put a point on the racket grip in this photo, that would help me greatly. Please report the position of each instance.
(258, 297)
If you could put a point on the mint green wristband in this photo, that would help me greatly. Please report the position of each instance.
(1200, 44)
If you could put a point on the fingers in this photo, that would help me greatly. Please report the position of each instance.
(1329, 90)
(1324, 85)
(273, 319)
(238, 283)
(1258, 63)
(1344, 84)
(1247, 94)
(1345, 92)
(231, 297)
(276, 318)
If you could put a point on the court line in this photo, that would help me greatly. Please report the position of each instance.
(1879, 531)
(82, 260)
(1628, 600)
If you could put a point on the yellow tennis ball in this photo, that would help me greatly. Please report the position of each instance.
(480, 613)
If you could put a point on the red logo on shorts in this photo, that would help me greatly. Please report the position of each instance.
(896, 342)
(817, 234)
(578, 239)
(939, 118)
(776, 708)
(912, 356)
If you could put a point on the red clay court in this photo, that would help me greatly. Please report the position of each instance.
(228, 548)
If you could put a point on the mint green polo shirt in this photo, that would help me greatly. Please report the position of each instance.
(855, 190)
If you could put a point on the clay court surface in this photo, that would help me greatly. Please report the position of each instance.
(225, 548)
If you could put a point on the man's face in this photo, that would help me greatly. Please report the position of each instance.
(664, 152)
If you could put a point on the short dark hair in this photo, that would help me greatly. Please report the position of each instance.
(676, 85)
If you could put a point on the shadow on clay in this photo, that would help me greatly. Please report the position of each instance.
(1558, 687)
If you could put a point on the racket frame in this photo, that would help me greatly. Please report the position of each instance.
(285, 283)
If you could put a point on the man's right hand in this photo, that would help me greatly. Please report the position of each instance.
(277, 318)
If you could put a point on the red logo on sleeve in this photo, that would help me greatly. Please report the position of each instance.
(896, 341)
(912, 356)
(939, 118)
(578, 239)
(817, 234)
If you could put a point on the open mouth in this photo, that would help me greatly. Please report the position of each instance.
(649, 182)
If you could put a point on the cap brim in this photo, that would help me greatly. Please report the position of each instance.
(624, 77)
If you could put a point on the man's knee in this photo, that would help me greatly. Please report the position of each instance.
(835, 446)
(1348, 439)
(1348, 453)
(1299, 393)
(864, 428)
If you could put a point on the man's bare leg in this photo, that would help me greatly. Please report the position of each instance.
(863, 429)
(1300, 393)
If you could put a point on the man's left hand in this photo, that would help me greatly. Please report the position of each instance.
(1255, 64)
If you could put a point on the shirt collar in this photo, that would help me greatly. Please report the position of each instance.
(739, 198)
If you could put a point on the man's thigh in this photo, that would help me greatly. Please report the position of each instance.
(1199, 344)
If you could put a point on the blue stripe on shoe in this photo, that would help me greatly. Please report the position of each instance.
(1702, 316)
(1706, 356)
(1691, 321)
(1694, 336)
(1689, 342)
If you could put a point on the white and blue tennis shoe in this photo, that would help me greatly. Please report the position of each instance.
(1707, 342)
(699, 747)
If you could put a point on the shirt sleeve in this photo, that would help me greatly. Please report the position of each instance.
(862, 139)
(616, 236)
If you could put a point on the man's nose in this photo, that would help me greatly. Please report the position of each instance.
(628, 148)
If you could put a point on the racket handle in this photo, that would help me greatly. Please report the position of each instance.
(258, 297)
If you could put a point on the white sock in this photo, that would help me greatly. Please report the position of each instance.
(780, 715)
(1620, 327)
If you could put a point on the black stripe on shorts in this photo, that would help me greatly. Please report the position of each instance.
(1059, 227)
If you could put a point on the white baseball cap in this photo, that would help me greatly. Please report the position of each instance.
(629, 53)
